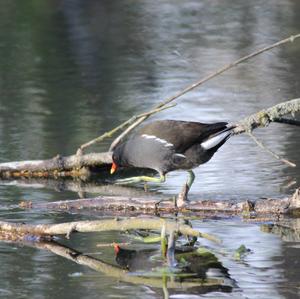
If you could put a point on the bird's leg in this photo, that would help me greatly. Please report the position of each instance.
(191, 178)
(182, 196)
(143, 178)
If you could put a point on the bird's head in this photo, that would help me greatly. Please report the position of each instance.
(118, 159)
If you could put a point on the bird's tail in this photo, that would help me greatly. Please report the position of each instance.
(219, 138)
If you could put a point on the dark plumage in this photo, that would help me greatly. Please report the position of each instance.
(168, 145)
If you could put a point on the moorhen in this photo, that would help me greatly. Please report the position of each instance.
(168, 145)
(134, 259)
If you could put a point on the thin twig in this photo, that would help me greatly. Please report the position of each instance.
(129, 129)
(291, 164)
(121, 126)
(207, 78)
(137, 120)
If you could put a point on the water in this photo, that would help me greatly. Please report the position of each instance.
(71, 70)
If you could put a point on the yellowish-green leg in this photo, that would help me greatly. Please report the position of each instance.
(143, 178)
(190, 179)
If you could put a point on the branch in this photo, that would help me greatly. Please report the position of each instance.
(78, 165)
(74, 165)
(264, 117)
(99, 226)
(121, 126)
(289, 163)
(139, 119)
(118, 205)
(58, 166)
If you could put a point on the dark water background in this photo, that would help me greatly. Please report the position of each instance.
(71, 70)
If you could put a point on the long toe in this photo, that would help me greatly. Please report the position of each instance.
(137, 179)
(127, 181)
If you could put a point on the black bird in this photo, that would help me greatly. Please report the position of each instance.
(134, 259)
(168, 145)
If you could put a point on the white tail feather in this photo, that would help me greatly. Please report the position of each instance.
(212, 142)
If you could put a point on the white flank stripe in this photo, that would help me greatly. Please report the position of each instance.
(212, 142)
(148, 136)
(164, 142)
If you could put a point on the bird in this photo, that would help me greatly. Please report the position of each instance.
(169, 145)
(133, 260)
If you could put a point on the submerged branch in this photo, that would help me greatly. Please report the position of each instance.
(117, 272)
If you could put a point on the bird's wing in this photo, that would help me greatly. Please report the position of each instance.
(182, 134)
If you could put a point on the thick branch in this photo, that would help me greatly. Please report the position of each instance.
(99, 226)
(118, 205)
(55, 167)
(264, 117)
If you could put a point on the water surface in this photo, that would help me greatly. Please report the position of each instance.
(71, 70)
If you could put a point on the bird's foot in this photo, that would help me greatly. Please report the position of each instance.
(138, 179)
(126, 181)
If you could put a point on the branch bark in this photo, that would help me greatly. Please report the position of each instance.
(59, 166)
(264, 117)
(113, 205)
(98, 226)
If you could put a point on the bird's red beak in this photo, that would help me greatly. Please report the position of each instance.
(113, 168)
